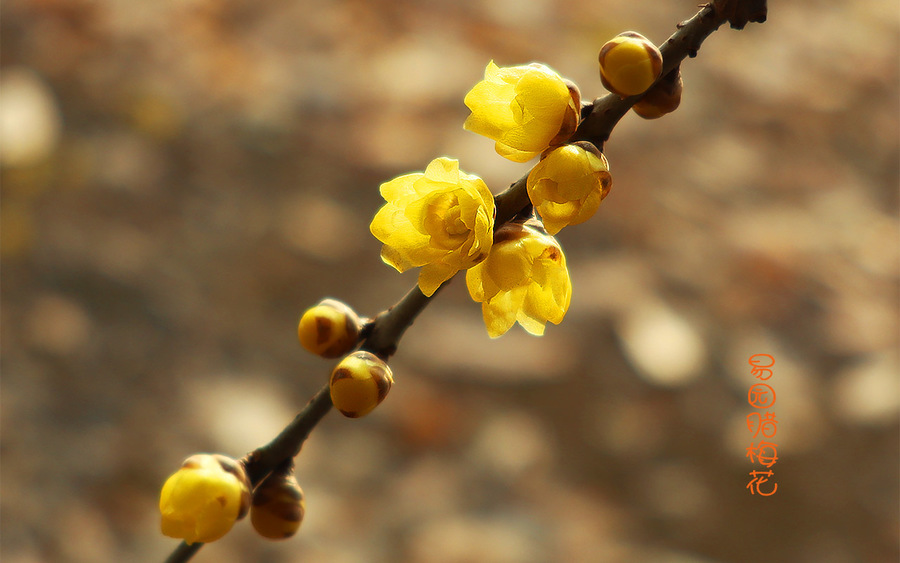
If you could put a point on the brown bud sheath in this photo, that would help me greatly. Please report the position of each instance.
(664, 97)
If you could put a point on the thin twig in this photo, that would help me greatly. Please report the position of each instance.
(389, 326)
(599, 119)
(183, 552)
(261, 461)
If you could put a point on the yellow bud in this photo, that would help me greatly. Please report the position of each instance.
(278, 507)
(664, 97)
(568, 184)
(201, 501)
(629, 64)
(330, 329)
(359, 383)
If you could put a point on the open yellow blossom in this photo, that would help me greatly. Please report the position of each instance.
(441, 219)
(567, 185)
(525, 109)
(524, 279)
(201, 501)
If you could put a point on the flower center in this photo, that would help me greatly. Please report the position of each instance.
(443, 222)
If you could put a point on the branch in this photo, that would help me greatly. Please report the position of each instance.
(261, 461)
(382, 335)
(602, 115)
(183, 552)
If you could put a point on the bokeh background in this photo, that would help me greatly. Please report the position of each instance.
(181, 179)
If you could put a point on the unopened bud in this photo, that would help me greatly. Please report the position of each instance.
(329, 329)
(629, 64)
(664, 97)
(359, 383)
(201, 501)
(278, 507)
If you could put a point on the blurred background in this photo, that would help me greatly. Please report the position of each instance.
(181, 179)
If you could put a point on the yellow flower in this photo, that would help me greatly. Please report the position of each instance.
(567, 185)
(524, 279)
(525, 109)
(441, 219)
(201, 501)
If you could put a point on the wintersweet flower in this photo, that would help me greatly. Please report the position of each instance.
(525, 109)
(524, 279)
(567, 185)
(441, 219)
(201, 501)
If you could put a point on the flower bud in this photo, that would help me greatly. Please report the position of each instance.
(201, 501)
(330, 329)
(629, 64)
(524, 280)
(568, 184)
(278, 507)
(359, 383)
(664, 97)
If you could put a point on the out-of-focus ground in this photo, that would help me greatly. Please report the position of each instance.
(180, 179)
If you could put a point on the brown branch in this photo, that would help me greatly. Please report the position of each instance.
(261, 461)
(382, 335)
(510, 201)
(183, 552)
(387, 328)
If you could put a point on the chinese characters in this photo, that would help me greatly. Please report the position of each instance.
(763, 425)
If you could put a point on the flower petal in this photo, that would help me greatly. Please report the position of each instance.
(443, 170)
(400, 187)
(501, 311)
(431, 276)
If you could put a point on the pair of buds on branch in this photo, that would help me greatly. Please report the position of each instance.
(360, 381)
(202, 501)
